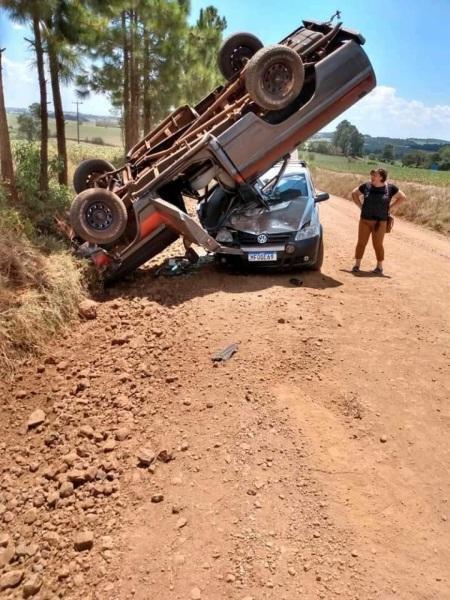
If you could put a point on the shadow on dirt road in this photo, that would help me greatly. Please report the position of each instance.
(176, 290)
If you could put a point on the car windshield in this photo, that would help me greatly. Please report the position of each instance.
(290, 187)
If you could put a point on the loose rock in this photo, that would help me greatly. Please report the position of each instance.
(122, 434)
(7, 554)
(109, 445)
(165, 456)
(84, 541)
(52, 498)
(11, 579)
(32, 585)
(76, 477)
(36, 418)
(86, 431)
(145, 457)
(66, 489)
(87, 309)
(30, 516)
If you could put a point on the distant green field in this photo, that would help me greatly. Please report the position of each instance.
(88, 131)
(362, 166)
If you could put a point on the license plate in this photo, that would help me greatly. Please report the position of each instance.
(262, 256)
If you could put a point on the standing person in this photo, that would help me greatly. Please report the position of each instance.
(376, 198)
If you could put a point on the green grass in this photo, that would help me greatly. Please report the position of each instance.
(363, 166)
(88, 131)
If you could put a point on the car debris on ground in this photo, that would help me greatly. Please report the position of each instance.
(226, 353)
(180, 265)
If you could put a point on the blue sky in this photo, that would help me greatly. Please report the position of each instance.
(407, 41)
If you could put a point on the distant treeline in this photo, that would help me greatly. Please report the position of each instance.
(347, 141)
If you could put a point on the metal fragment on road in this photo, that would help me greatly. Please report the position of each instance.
(296, 282)
(225, 354)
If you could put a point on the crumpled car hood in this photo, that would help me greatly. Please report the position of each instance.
(285, 216)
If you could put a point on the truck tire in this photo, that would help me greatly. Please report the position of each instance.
(274, 77)
(98, 216)
(235, 51)
(87, 170)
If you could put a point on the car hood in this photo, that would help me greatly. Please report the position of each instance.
(285, 216)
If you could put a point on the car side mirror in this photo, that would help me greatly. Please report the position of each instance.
(321, 197)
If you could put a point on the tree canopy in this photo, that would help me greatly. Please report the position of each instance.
(147, 58)
(348, 139)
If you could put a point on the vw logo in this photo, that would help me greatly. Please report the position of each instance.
(262, 238)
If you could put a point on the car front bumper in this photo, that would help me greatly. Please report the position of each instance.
(304, 254)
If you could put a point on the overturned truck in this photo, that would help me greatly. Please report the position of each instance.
(276, 97)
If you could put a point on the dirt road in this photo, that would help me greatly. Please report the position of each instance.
(315, 463)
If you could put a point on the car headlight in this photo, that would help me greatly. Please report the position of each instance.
(308, 232)
(224, 236)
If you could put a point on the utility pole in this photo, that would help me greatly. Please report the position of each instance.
(78, 102)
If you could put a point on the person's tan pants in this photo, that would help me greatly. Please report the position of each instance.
(377, 229)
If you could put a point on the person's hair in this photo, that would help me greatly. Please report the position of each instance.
(381, 172)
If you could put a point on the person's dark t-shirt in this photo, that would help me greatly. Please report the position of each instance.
(376, 201)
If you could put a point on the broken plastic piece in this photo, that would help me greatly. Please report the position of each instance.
(225, 354)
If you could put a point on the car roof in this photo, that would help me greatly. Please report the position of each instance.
(294, 167)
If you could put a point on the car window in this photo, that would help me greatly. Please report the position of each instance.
(291, 187)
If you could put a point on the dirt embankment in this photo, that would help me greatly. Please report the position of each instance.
(312, 464)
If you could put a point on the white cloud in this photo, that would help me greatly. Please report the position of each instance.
(18, 72)
(22, 89)
(17, 26)
(384, 113)
(20, 83)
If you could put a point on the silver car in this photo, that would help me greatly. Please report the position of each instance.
(278, 228)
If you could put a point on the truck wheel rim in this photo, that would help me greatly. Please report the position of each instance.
(240, 57)
(277, 80)
(99, 216)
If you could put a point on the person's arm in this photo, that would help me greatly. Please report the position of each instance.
(356, 197)
(397, 199)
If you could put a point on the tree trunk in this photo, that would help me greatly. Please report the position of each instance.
(134, 81)
(6, 162)
(126, 83)
(146, 100)
(59, 113)
(43, 173)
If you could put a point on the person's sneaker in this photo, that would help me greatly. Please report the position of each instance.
(355, 269)
(377, 271)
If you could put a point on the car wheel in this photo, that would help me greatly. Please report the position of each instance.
(274, 77)
(319, 261)
(87, 171)
(98, 216)
(235, 51)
